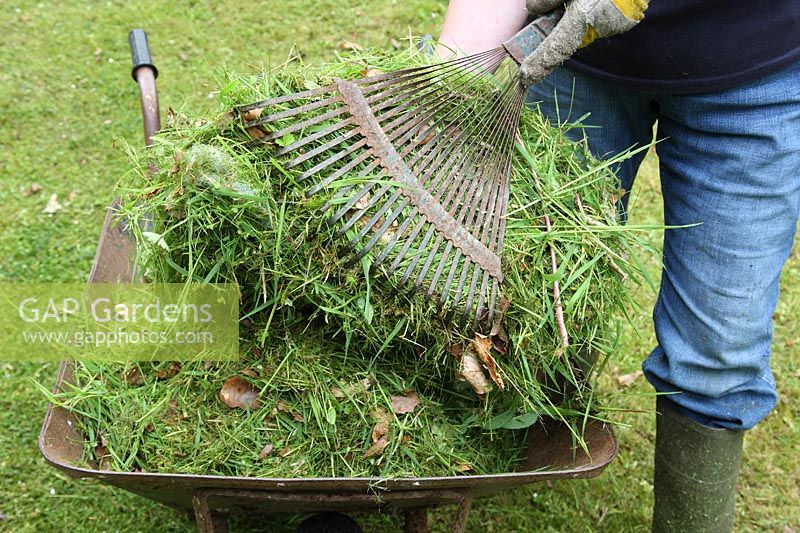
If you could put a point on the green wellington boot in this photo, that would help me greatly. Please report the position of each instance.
(695, 474)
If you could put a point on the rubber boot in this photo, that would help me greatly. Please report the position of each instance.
(696, 468)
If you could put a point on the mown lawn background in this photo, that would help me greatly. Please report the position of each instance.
(68, 104)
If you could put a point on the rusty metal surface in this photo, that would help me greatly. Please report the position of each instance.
(409, 185)
(525, 41)
(146, 78)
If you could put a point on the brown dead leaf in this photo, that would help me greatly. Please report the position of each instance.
(256, 132)
(283, 452)
(463, 467)
(456, 350)
(470, 370)
(298, 417)
(72, 196)
(32, 189)
(395, 43)
(627, 380)
(52, 206)
(368, 72)
(133, 376)
(239, 393)
(380, 430)
(168, 372)
(482, 346)
(338, 393)
(500, 342)
(377, 447)
(253, 114)
(282, 406)
(405, 403)
(265, 451)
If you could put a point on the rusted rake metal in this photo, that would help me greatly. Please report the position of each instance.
(415, 164)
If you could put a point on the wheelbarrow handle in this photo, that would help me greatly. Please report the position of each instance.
(145, 73)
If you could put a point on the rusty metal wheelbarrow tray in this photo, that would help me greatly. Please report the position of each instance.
(551, 453)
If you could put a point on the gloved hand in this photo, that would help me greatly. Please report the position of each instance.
(583, 22)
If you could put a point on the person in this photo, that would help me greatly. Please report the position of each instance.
(720, 81)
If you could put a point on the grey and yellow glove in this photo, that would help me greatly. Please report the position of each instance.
(583, 22)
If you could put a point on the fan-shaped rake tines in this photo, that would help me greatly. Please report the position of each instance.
(415, 169)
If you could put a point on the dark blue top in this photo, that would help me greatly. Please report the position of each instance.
(692, 46)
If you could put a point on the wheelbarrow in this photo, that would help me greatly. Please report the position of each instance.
(550, 455)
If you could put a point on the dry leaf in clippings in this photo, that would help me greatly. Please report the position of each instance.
(405, 403)
(283, 452)
(133, 376)
(252, 114)
(472, 372)
(456, 350)
(377, 447)
(239, 393)
(266, 450)
(380, 430)
(165, 373)
(482, 346)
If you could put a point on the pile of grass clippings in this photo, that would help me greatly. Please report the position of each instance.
(341, 373)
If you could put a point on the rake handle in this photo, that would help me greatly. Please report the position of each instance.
(525, 41)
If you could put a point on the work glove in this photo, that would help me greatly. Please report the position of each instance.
(583, 22)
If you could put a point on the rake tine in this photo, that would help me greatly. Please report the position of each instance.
(418, 255)
(492, 301)
(286, 98)
(296, 126)
(471, 293)
(339, 173)
(461, 281)
(323, 148)
(331, 160)
(314, 136)
(291, 112)
(481, 297)
(450, 277)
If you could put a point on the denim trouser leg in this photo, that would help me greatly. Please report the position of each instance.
(730, 161)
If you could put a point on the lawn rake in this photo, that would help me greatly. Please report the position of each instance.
(418, 162)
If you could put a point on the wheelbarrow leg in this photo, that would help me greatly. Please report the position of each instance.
(207, 520)
(416, 519)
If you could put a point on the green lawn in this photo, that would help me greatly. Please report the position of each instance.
(68, 104)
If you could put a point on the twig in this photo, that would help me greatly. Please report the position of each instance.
(562, 328)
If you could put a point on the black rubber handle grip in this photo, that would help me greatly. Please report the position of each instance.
(140, 52)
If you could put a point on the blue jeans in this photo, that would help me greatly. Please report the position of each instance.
(729, 160)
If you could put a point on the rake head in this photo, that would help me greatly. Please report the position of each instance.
(415, 168)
